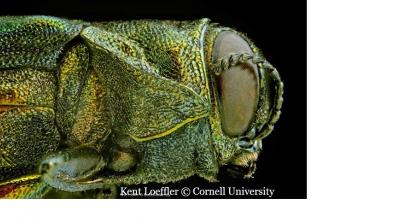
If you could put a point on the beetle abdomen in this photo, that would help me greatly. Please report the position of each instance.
(27, 129)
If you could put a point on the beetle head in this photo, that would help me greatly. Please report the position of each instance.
(246, 96)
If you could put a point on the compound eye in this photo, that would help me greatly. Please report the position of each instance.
(238, 86)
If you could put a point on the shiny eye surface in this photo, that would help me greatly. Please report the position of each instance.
(238, 86)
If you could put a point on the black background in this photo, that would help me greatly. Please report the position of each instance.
(277, 27)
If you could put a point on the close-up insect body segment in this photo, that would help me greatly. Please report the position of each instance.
(86, 106)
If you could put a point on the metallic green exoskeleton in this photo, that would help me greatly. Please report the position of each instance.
(85, 106)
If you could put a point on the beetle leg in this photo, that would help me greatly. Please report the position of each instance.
(121, 161)
(72, 169)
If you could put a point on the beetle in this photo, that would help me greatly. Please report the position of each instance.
(89, 105)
